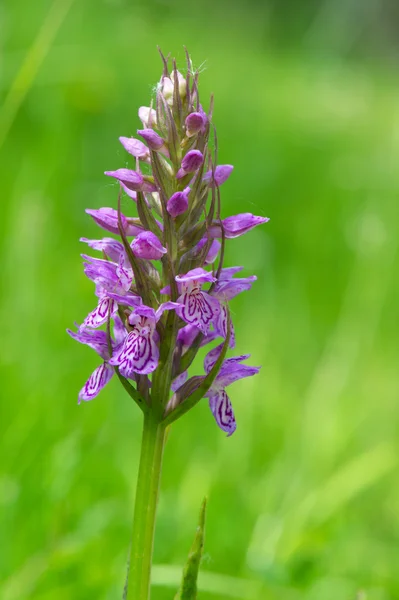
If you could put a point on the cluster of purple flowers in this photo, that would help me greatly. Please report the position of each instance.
(162, 283)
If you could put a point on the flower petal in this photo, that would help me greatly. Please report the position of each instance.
(222, 410)
(178, 203)
(228, 365)
(128, 298)
(120, 332)
(107, 218)
(226, 290)
(146, 245)
(192, 161)
(135, 147)
(139, 354)
(236, 225)
(198, 308)
(124, 274)
(95, 339)
(165, 306)
(220, 325)
(112, 248)
(178, 381)
(132, 179)
(198, 275)
(99, 315)
(222, 173)
(97, 380)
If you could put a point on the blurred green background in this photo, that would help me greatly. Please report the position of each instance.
(304, 498)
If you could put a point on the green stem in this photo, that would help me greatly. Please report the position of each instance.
(148, 480)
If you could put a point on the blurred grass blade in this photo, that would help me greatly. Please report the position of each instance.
(188, 588)
(35, 56)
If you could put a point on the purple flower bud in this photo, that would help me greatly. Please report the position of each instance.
(192, 161)
(147, 245)
(107, 218)
(178, 203)
(222, 173)
(135, 147)
(112, 248)
(153, 139)
(194, 123)
(132, 180)
(236, 225)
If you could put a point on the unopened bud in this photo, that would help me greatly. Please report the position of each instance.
(147, 245)
(178, 203)
(222, 173)
(132, 180)
(135, 147)
(190, 163)
(194, 123)
(167, 87)
(153, 139)
(148, 116)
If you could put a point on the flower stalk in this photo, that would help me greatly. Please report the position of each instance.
(162, 288)
(148, 482)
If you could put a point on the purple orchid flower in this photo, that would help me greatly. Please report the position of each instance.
(178, 203)
(140, 352)
(236, 225)
(112, 248)
(195, 306)
(147, 245)
(222, 173)
(132, 180)
(213, 251)
(231, 370)
(226, 289)
(107, 218)
(99, 342)
(113, 283)
(136, 148)
(190, 163)
(195, 122)
(153, 139)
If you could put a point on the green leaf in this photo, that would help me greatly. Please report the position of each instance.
(188, 588)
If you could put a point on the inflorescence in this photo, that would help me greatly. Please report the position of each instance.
(166, 292)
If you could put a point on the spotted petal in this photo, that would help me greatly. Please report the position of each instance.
(220, 325)
(139, 354)
(124, 274)
(99, 315)
(198, 308)
(222, 410)
(97, 380)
